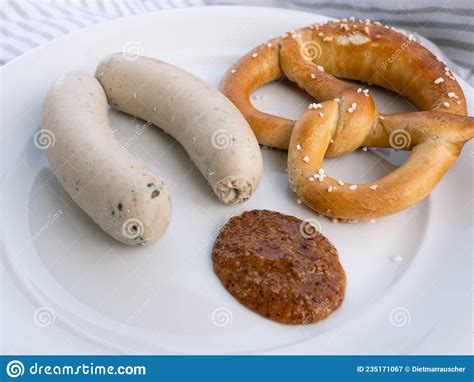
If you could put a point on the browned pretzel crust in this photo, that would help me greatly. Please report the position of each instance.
(369, 52)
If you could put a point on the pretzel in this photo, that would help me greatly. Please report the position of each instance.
(315, 58)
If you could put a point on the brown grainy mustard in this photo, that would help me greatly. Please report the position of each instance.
(275, 267)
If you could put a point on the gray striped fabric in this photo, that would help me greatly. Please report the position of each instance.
(447, 23)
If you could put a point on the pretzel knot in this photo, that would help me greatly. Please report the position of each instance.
(315, 58)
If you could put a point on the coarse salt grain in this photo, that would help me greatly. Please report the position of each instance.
(269, 44)
(372, 221)
(446, 104)
(233, 71)
(350, 110)
(364, 148)
(313, 76)
(311, 179)
(439, 80)
(321, 114)
(359, 90)
(320, 68)
(452, 95)
(330, 189)
(353, 187)
(340, 182)
(374, 187)
(298, 201)
(254, 55)
(298, 147)
(306, 159)
(315, 106)
(320, 176)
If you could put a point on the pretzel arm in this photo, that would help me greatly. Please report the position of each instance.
(255, 69)
(407, 185)
(312, 78)
(352, 127)
(413, 128)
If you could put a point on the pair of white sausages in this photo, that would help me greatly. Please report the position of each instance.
(124, 197)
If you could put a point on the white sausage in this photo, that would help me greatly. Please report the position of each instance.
(209, 127)
(113, 187)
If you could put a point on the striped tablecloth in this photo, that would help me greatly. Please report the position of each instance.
(448, 24)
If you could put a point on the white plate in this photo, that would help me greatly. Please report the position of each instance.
(107, 298)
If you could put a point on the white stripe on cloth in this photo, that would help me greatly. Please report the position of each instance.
(448, 24)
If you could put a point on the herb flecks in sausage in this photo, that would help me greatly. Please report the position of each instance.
(111, 192)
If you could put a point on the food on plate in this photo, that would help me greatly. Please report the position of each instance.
(209, 127)
(346, 119)
(279, 266)
(125, 198)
